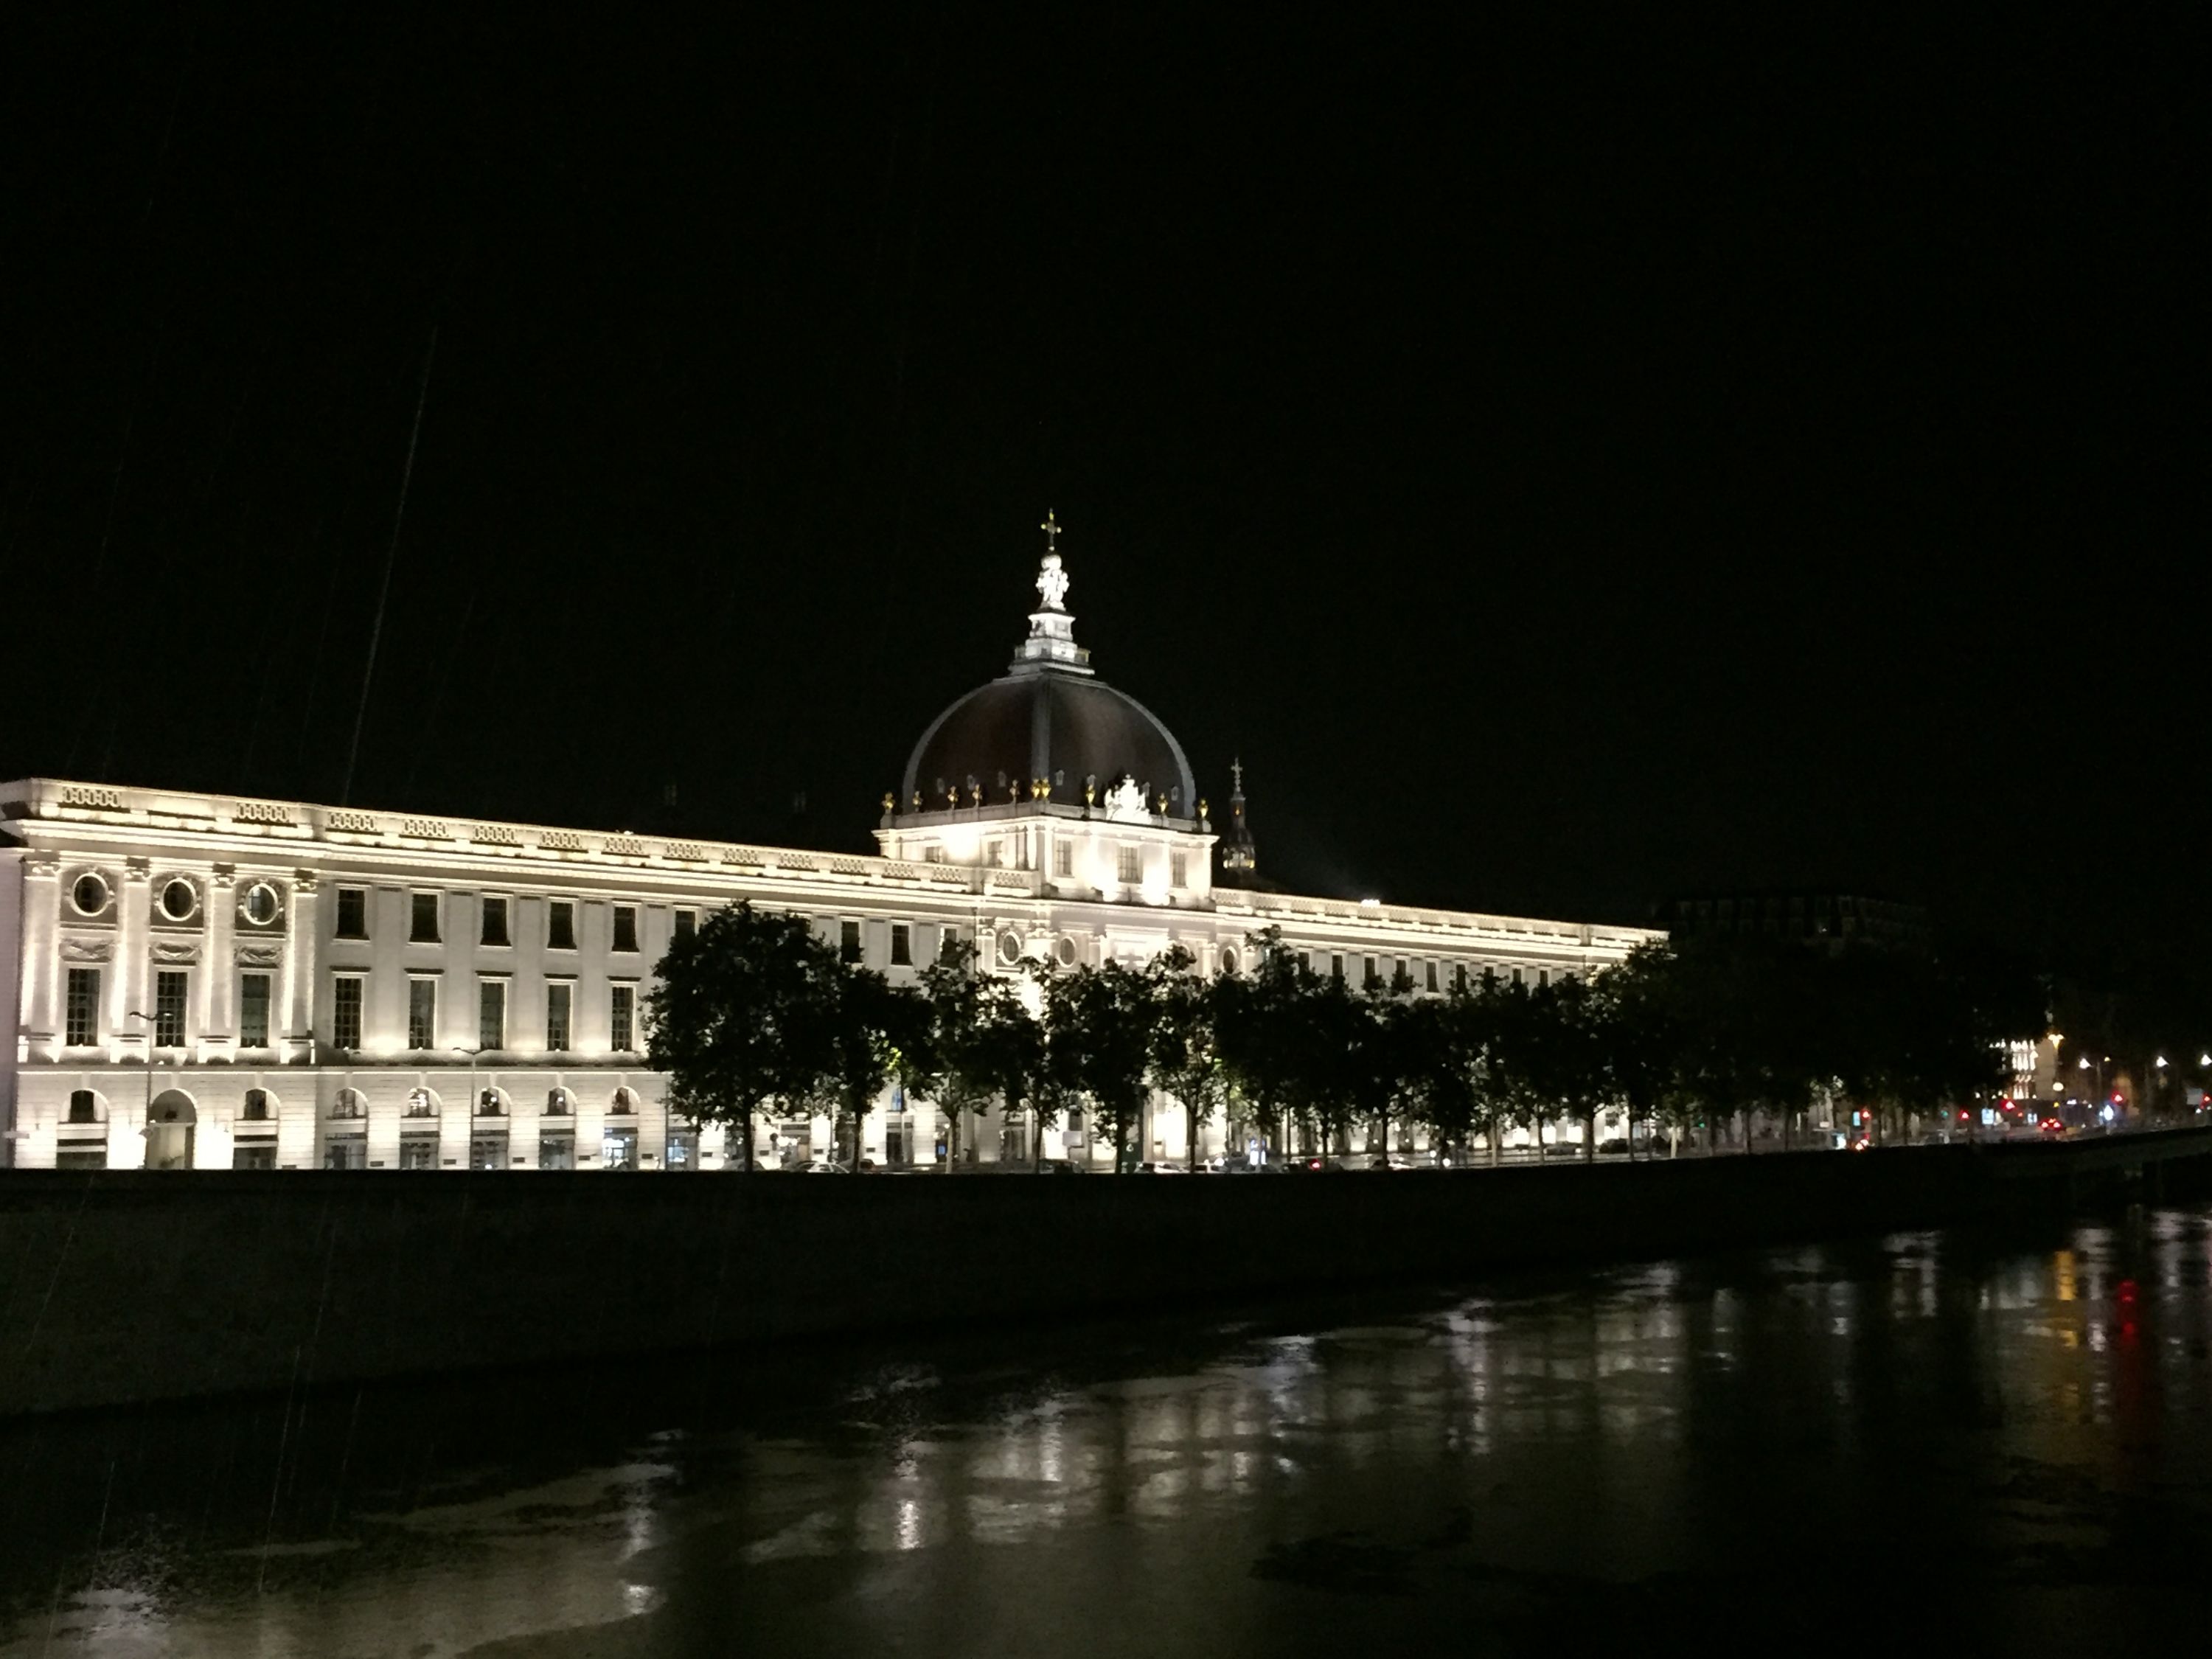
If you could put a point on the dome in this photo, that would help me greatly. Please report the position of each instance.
(1045, 722)
(1049, 716)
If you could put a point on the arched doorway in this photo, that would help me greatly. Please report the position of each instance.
(170, 1122)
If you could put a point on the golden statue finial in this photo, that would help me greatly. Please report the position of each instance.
(890, 802)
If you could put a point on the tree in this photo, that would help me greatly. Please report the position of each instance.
(1259, 1025)
(1409, 1060)
(1098, 1026)
(746, 1012)
(1632, 1024)
(883, 1032)
(956, 993)
(1186, 1049)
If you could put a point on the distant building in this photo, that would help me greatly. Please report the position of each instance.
(1815, 915)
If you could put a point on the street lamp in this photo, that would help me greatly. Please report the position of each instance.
(471, 1054)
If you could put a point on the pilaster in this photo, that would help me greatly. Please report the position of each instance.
(133, 989)
(39, 1002)
(219, 980)
(302, 962)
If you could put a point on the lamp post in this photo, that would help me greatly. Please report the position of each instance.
(471, 1054)
(146, 1116)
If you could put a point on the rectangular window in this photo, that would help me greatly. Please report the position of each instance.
(418, 1153)
(560, 925)
(491, 1014)
(169, 1008)
(80, 1011)
(253, 1010)
(625, 927)
(1063, 858)
(1179, 870)
(1432, 976)
(559, 995)
(1543, 976)
(1459, 976)
(686, 923)
(1131, 865)
(421, 1013)
(1336, 968)
(1516, 976)
(933, 853)
(1370, 975)
(422, 920)
(353, 912)
(495, 921)
(262, 1157)
(901, 946)
(622, 1011)
(849, 941)
(345, 1012)
(556, 1152)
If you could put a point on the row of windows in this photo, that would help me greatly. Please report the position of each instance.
(172, 989)
(491, 1014)
(176, 899)
(425, 923)
(1430, 976)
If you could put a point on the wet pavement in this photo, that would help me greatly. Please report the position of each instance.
(1971, 1441)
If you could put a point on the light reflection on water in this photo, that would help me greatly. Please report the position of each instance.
(1586, 1457)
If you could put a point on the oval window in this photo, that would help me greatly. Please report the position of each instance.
(1066, 951)
(260, 905)
(1010, 948)
(1228, 958)
(89, 895)
(177, 899)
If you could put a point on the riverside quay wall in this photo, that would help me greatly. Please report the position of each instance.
(128, 1287)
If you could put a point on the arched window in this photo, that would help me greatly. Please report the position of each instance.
(559, 1102)
(83, 1107)
(491, 1103)
(625, 1103)
(350, 1103)
(422, 1102)
(257, 1106)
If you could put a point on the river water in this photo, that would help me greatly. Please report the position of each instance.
(1972, 1441)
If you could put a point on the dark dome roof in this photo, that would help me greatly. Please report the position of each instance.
(1042, 722)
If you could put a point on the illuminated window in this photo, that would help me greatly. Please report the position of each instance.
(421, 1013)
(1179, 870)
(422, 920)
(345, 1012)
(901, 945)
(81, 1016)
(625, 927)
(253, 1010)
(1131, 865)
(621, 1010)
(558, 997)
(560, 925)
(169, 1008)
(491, 1014)
(1063, 858)
(353, 912)
(495, 920)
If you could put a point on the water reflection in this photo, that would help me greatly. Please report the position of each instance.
(1589, 1458)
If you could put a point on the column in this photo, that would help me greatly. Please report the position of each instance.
(219, 980)
(302, 958)
(39, 1005)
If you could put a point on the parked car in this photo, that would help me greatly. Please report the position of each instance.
(1161, 1169)
(1062, 1166)
(1613, 1147)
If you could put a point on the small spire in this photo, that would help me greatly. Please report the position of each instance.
(1051, 637)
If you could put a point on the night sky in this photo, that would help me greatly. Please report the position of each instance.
(1568, 471)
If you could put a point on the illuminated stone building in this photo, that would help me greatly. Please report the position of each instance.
(203, 980)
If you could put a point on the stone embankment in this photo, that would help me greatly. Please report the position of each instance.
(130, 1287)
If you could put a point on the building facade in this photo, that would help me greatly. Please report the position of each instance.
(210, 982)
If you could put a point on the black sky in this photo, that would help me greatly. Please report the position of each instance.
(1568, 471)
